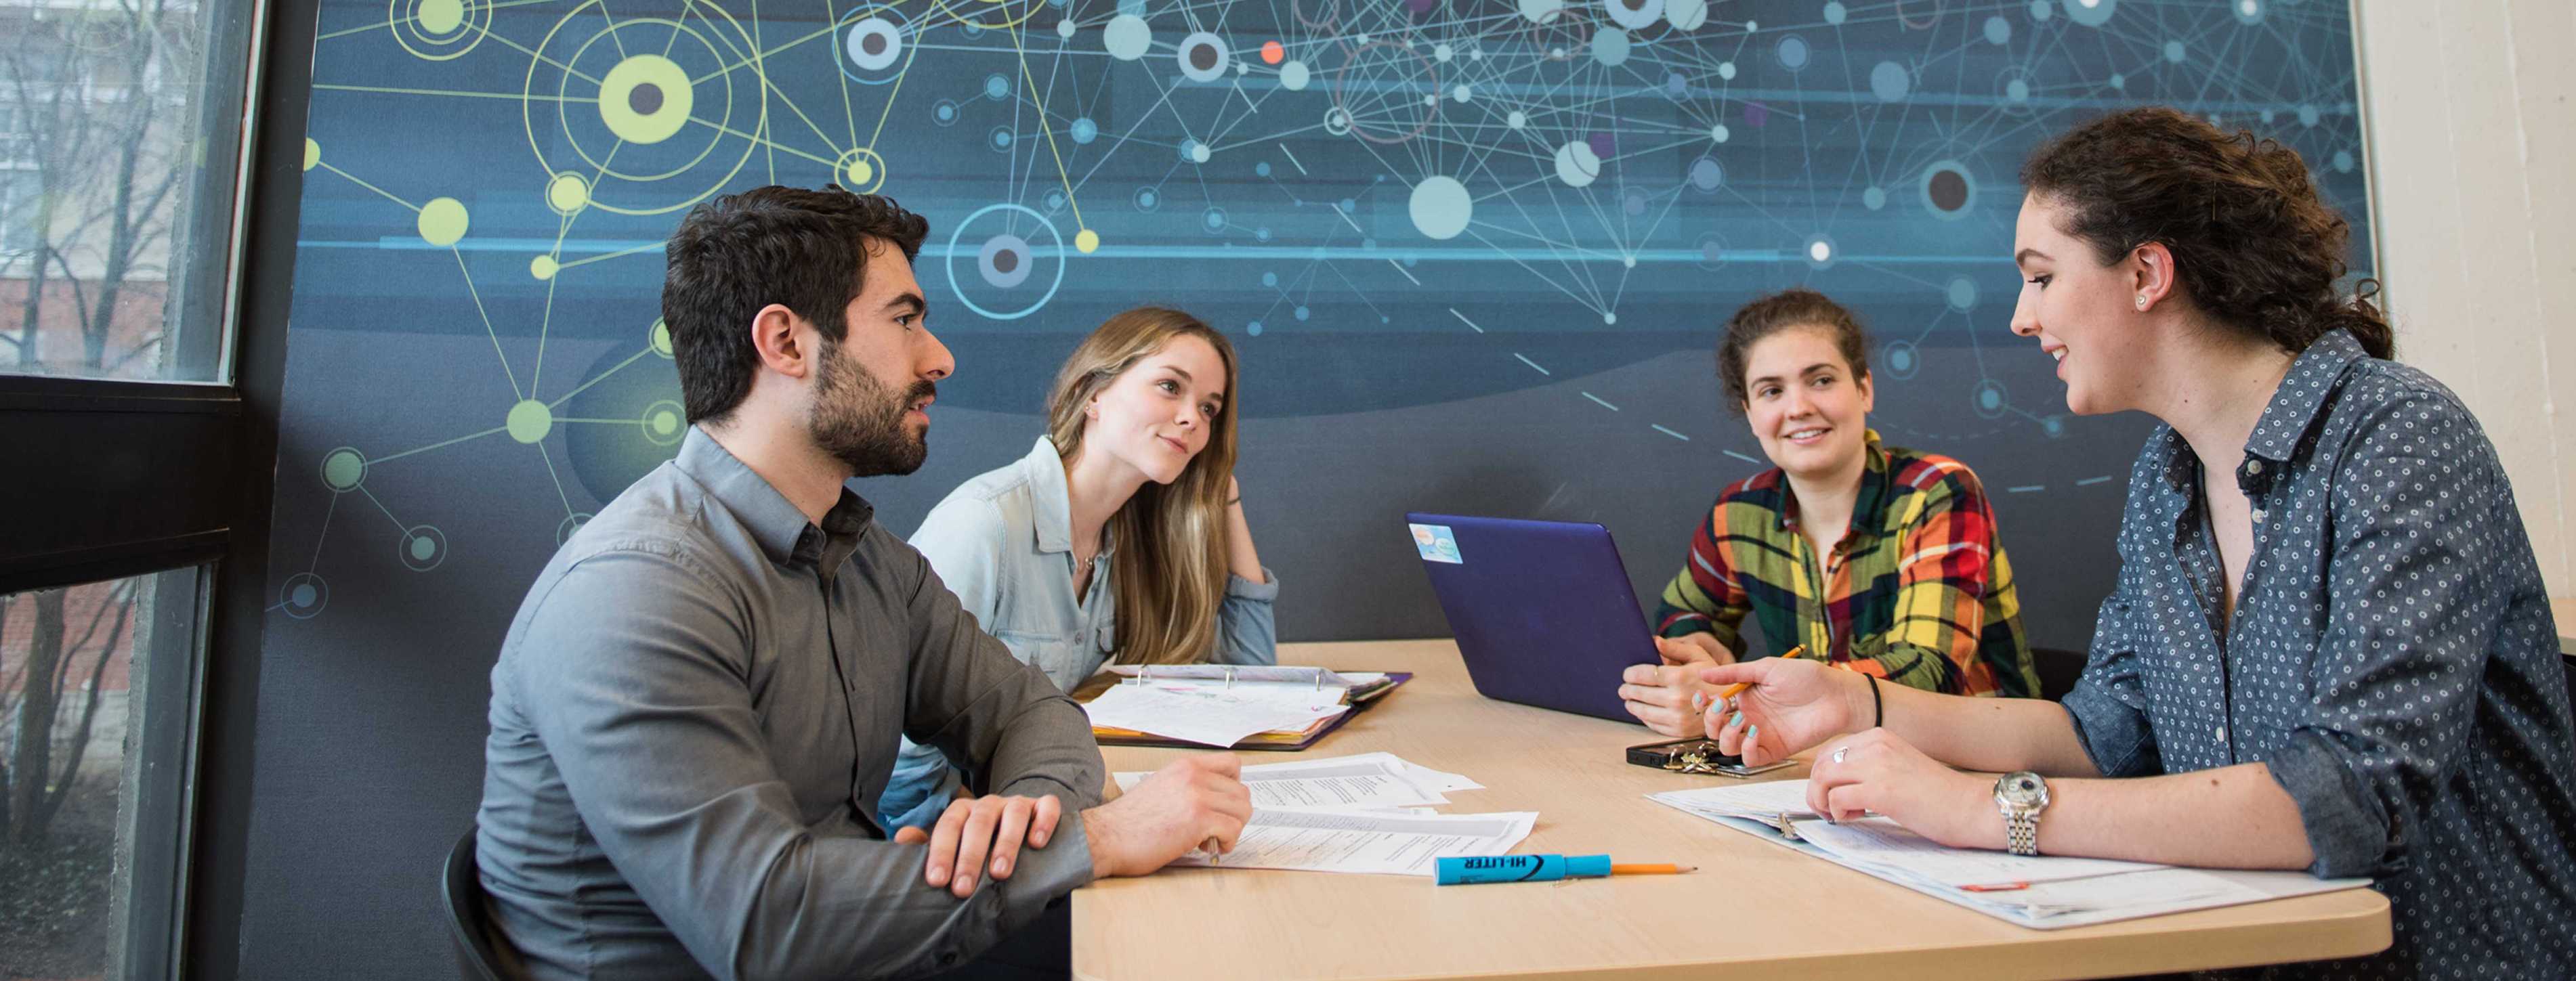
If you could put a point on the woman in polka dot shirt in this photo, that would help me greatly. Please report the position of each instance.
(2330, 648)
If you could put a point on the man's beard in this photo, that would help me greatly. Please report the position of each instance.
(859, 421)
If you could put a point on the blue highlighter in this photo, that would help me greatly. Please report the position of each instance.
(1469, 869)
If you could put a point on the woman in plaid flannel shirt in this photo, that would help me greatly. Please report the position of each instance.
(1876, 558)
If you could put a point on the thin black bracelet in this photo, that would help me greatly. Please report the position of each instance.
(1877, 709)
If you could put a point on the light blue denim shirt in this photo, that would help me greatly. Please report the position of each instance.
(1004, 543)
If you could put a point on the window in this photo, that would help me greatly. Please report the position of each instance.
(125, 463)
(105, 106)
(96, 713)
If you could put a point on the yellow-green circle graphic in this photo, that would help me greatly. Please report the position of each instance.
(442, 221)
(530, 420)
(653, 115)
(860, 170)
(578, 118)
(439, 30)
(567, 193)
(664, 422)
(440, 17)
(659, 338)
(645, 99)
(344, 469)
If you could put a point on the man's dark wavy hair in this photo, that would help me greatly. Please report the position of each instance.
(803, 249)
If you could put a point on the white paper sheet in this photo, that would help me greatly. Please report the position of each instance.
(1884, 844)
(1335, 784)
(1435, 781)
(1358, 841)
(2047, 904)
(1765, 800)
(1367, 780)
(2151, 890)
(1211, 719)
(1279, 692)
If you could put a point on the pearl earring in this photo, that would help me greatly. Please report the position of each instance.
(2142, 301)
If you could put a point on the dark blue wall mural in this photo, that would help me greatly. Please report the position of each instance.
(1523, 206)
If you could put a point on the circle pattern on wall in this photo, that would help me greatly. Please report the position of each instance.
(1390, 206)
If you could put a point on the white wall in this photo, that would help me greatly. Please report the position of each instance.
(2472, 151)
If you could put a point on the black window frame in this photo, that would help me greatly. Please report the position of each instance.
(118, 478)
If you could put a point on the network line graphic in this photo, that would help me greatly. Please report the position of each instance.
(1428, 200)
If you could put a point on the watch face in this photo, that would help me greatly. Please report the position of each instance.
(2022, 790)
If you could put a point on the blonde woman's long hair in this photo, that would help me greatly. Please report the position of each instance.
(1170, 573)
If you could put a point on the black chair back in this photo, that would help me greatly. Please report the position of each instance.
(2570, 660)
(2058, 669)
(479, 948)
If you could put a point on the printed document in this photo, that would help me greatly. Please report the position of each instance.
(2043, 892)
(1368, 780)
(1361, 841)
(1884, 844)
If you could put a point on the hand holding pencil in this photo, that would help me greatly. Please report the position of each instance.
(1776, 707)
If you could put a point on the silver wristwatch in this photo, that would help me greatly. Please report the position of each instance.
(2021, 796)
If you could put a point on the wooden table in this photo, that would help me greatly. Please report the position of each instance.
(2564, 611)
(1755, 909)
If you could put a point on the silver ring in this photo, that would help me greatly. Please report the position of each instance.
(1839, 751)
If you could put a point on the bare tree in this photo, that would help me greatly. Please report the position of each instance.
(36, 779)
(97, 91)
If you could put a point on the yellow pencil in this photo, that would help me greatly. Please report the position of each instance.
(1650, 868)
(1738, 688)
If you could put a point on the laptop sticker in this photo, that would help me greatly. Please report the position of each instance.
(1436, 544)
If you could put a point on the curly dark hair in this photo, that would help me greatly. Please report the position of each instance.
(1794, 307)
(803, 249)
(2253, 245)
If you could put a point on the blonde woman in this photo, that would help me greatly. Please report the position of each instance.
(1119, 536)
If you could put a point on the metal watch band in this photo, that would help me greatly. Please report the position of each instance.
(2022, 831)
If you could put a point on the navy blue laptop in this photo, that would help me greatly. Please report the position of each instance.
(1541, 609)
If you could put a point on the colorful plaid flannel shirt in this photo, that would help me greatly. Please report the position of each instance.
(1917, 592)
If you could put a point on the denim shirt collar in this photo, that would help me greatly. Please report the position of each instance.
(782, 531)
(1051, 499)
(2286, 419)
(2294, 407)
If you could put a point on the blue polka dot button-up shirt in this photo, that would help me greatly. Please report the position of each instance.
(2392, 659)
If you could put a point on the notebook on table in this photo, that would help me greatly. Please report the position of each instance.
(1215, 706)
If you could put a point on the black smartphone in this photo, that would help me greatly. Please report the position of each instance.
(1695, 755)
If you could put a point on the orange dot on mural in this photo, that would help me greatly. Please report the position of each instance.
(1271, 52)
